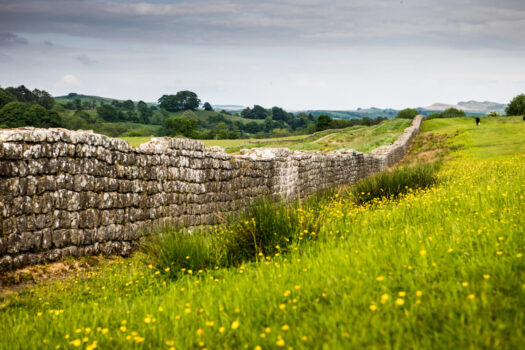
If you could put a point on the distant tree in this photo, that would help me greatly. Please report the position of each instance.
(452, 113)
(38, 116)
(86, 116)
(493, 114)
(280, 114)
(207, 106)
(78, 103)
(323, 122)
(180, 126)
(516, 106)
(13, 115)
(43, 98)
(21, 93)
(257, 112)
(268, 124)
(128, 105)
(189, 114)
(433, 116)
(5, 98)
(252, 127)
(145, 112)
(407, 113)
(108, 113)
(181, 101)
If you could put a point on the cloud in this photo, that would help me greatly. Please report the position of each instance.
(5, 58)
(452, 23)
(85, 59)
(68, 80)
(48, 43)
(11, 39)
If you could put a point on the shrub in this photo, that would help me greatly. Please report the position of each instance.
(407, 113)
(392, 184)
(493, 114)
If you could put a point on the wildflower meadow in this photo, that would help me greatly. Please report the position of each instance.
(436, 263)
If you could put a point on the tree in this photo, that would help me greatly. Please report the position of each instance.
(21, 93)
(516, 106)
(5, 98)
(323, 122)
(279, 114)
(17, 114)
(407, 113)
(189, 114)
(43, 98)
(128, 105)
(179, 125)
(145, 112)
(452, 113)
(183, 100)
(13, 115)
(252, 127)
(493, 114)
(257, 112)
(207, 106)
(268, 124)
(108, 113)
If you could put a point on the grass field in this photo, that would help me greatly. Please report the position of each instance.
(361, 138)
(438, 268)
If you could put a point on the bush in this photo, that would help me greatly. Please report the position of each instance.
(516, 106)
(493, 114)
(407, 113)
(392, 184)
(448, 113)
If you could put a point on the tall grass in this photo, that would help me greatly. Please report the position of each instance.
(176, 250)
(395, 183)
(265, 228)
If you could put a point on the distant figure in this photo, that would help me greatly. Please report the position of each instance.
(478, 121)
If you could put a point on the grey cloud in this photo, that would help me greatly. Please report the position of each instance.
(11, 39)
(5, 58)
(48, 43)
(449, 23)
(85, 59)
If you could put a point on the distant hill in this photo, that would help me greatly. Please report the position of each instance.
(360, 113)
(228, 107)
(469, 106)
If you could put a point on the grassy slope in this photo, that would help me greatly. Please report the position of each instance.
(439, 269)
(361, 138)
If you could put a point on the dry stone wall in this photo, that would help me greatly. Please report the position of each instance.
(73, 193)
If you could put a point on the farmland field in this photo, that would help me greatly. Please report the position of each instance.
(441, 267)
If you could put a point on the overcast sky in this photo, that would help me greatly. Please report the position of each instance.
(298, 54)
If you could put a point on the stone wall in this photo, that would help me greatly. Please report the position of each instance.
(73, 193)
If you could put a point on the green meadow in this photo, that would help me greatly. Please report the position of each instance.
(361, 138)
(436, 267)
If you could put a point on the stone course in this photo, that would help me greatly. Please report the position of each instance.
(74, 193)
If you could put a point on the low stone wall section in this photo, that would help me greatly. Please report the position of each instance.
(74, 193)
